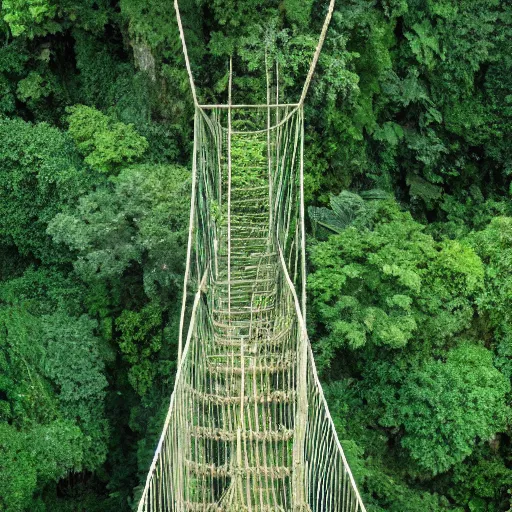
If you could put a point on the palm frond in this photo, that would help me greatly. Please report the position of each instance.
(346, 209)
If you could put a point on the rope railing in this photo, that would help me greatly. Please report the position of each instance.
(153, 482)
(317, 402)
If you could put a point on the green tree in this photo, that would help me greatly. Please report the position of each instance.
(445, 406)
(141, 220)
(390, 285)
(75, 364)
(32, 458)
(52, 387)
(107, 145)
(141, 338)
(494, 246)
(41, 175)
(34, 17)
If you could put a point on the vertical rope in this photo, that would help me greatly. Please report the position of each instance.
(269, 148)
(229, 184)
(302, 217)
(185, 52)
(318, 50)
(302, 399)
(190, 241)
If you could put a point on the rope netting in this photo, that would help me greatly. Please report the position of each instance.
(248, 428)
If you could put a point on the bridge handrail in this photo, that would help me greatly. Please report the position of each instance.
(177, 381)
(318, 385)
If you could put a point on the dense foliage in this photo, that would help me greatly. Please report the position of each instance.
(408, 180)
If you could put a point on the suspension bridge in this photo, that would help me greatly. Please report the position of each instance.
(248, 428)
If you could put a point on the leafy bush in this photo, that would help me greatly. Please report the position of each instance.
(107, 145)
(446, 407)
(391, 284)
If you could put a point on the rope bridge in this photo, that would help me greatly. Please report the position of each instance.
(248, 428)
